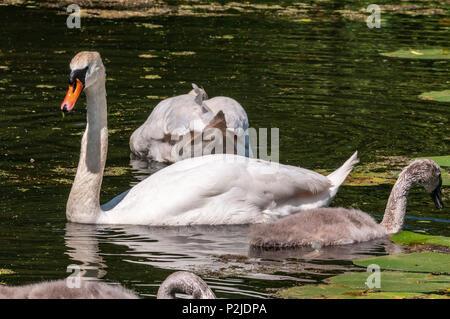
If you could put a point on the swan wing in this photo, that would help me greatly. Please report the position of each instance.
(235, 114)
(113, 202)
(174, 116)
(217, 189)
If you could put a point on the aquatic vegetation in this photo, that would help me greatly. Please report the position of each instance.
(420, 54)
(439, 96)
(4, 271)
(147, 56)
(410, 238)
(419, 262)
(394, 285)
(383, 171)
(183, 53)
(426, 277)
(149, 25)
(151, 77)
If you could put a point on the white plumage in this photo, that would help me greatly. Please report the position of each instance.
(180, 115)
(220, 189)
(213, 189)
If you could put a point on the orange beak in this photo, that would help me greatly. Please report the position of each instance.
(72, 96)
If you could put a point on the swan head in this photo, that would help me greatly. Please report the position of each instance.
(86, 70)
(427, 173)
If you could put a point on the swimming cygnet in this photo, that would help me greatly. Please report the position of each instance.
(340, 226)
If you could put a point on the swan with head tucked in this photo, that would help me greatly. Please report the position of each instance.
(210, 190)
(178, 282)
(186, 283)
(235, 117)
(184, 116)
(340, 226)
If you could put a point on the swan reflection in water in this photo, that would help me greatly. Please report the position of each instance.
(198, 249)
(142, 169)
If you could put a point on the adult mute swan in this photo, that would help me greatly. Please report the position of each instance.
(235, 117)
(340, 226)
(212, 190)
(178, 282)
(186, 115)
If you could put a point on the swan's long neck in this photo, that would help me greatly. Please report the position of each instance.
(83, 205)
(394, 213)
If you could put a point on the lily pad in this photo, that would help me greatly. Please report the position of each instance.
(419, 262)
(410, 238)
(425, 54)
(318, 291)
(440, 160)
(395, 281)
(438, 96)
(393, 285)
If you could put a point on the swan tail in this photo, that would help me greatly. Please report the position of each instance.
(338, 176)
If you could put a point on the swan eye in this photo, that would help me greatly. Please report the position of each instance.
(79, 74)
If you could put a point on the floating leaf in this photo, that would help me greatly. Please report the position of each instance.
(6, 272)
(149, 25)
(45, 86)
(147, 56)
(152, 77)
(410, 238)
(419, 262)
(425, 54)
(183, 53)
(393, 285)
(318, 291)
(438, 96)
(395, 281)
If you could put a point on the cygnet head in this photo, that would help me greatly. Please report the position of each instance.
(86, 71)
(428, 174)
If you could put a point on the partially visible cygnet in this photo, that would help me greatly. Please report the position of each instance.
(178, 282)
(340, 226)
(58, 289)
(187, 283)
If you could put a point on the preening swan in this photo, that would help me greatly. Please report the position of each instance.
(210, 190)
(340, 226)
(187, 115)
(235, 117)
(187, 283)
(178, 282)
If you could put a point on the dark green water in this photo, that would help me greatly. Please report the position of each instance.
(322, 83)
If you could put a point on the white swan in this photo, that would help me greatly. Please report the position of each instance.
(212, 190)
(178, 282)
(340, 226)
(235, 116)
(185, 115)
